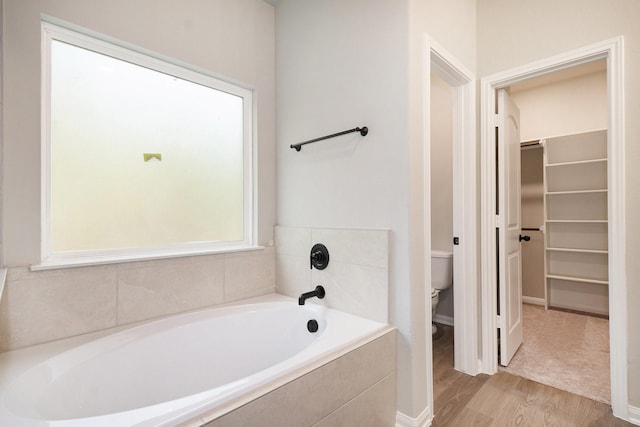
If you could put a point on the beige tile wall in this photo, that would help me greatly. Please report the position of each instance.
(357, 277)
(43, 306)
(357, 389)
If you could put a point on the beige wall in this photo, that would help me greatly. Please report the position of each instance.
(442, 177)
(532, 216)
(532, 213)
(516, 33)
(561, 108)
(234, 40)
(441, 165)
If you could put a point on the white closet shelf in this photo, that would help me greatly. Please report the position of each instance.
(553, 193)
(575, 213)
(578, 162)
(578, 279)
(579, 250)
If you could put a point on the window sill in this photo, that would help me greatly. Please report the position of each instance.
(103, 259)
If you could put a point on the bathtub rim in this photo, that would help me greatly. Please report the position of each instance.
(17, 361)
(34, 351)
(211, 415)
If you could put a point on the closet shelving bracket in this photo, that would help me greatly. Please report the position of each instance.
(363, 131)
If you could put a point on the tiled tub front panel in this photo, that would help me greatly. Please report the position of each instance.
(356, 389)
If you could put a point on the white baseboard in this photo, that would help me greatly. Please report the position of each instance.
(581, 307)
(533, 300)
(423, 420)
(634, 415)
(445, 320)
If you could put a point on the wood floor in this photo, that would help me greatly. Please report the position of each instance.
(504, 399)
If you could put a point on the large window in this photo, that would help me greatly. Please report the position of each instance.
(140, 156)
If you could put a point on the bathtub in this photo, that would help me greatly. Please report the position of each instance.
(168, 371)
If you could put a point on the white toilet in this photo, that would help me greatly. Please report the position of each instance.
(441, 278)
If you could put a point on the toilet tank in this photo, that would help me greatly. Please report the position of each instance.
(441, 269)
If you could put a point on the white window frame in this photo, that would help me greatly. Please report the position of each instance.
(124, 51)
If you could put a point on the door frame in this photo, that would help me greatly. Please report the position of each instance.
(612, 51)
(465, 296)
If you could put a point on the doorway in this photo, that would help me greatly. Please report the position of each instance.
(461, 84)
(441, 191)
(611, 51)
(563, 152)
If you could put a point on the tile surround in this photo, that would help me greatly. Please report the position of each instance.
(365, 366)
(356, 289)
(300, 403)
(331, 395)
(52, 304)
(37, 308)
(48, 305)
(160, 289)
(376, 407)
(359, 247)
(293, 275)
(250, 275)
(357, 278)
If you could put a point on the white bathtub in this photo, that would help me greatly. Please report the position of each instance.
(170, 370)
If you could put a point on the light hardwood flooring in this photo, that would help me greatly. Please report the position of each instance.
(504, 399)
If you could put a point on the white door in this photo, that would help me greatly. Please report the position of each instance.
(510, 264)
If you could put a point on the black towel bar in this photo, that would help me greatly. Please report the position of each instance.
(363, 131)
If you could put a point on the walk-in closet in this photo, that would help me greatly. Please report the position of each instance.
(564, 197)
(564, 209)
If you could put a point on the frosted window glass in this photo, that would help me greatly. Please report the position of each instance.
(105, 114)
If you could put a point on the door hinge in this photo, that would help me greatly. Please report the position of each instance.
(498, 221)
(496, 120)
(499, 320)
